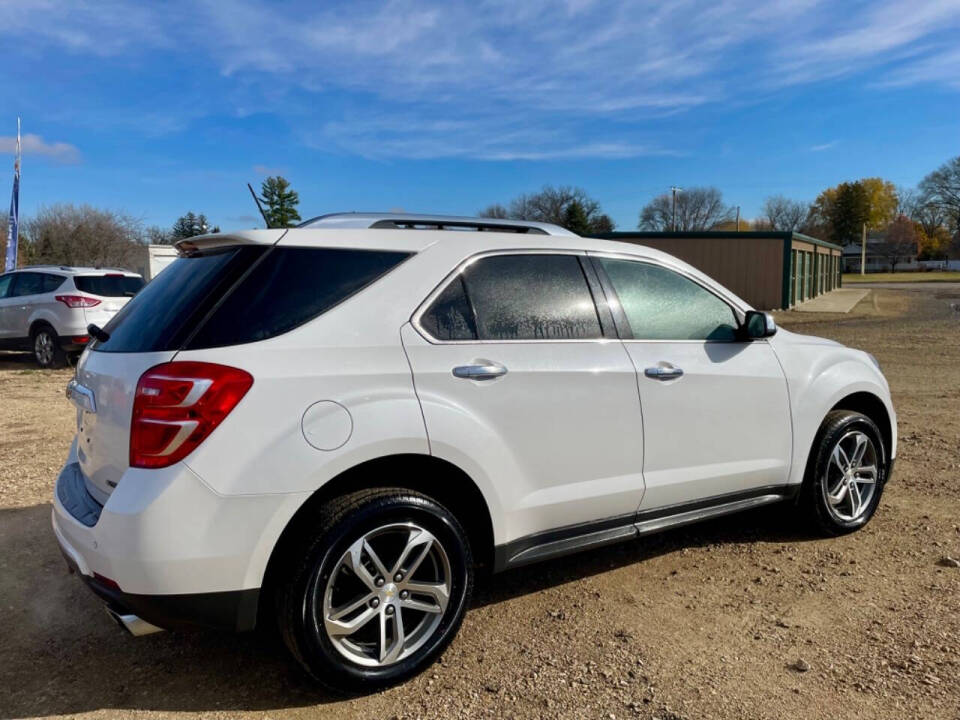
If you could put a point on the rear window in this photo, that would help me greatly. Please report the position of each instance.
(240, 295)
(109, 285)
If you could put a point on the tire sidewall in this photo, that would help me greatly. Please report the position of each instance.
(833, 432)
(315, 646)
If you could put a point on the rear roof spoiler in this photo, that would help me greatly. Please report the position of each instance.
(239, 237)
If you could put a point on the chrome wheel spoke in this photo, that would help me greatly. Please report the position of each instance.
(837, 495)
(839, 458)
(381, 568)
(390, 649)
(338, 613)
(439, 593)
(353, 559)
(856, 500)
(858, 450)
(867, 474)
(417, 548)
(339, 628)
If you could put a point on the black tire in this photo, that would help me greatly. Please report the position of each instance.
(45, 344)
(305, 588)
(823, 474)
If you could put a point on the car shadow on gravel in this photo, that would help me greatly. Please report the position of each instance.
(774, 524)
(60, 654)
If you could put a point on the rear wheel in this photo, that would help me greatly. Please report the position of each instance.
(46, 348)
(380, 589)
(846, 475)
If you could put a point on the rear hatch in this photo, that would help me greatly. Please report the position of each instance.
(113, 290)
(148, 330)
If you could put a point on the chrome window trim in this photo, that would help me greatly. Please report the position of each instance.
(738, 312)
(458, 271)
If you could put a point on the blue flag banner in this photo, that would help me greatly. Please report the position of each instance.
(13, 234)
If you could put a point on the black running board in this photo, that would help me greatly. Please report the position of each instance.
(575, 538)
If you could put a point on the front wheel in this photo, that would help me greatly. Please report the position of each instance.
(380, 591)
(846, 473)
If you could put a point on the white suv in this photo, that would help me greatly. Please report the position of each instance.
(47, 308)
(332, 427)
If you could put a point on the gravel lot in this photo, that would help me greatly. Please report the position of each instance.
(745, 617)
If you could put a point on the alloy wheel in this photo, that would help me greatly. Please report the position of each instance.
(850, 481)
(43, 348)
(386, 595)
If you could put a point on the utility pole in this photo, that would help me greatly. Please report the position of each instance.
(863, 251)
(673, 221)
(738, 218)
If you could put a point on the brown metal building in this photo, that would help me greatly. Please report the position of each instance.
(770, 270)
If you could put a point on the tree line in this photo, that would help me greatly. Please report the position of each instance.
(67, 234)
(898, 220)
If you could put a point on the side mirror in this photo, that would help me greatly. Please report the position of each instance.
(758, 325)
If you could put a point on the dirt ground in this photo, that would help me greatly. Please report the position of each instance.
(713, 621)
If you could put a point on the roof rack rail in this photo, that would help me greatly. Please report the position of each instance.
(408, 221)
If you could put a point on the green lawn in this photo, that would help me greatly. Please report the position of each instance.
(852, 278)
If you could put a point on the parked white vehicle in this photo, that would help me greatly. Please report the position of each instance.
(333, 426)
(47, 308)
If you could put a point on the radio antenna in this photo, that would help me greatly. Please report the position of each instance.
(259, 206)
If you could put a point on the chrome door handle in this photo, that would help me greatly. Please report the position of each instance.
(479, 372)
(663, 373)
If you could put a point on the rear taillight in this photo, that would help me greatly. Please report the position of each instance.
(177, 405)
(78, 301)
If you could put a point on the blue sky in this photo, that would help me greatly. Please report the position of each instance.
(159, 108)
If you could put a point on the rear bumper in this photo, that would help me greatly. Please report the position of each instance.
(166, 548)
(232, 610)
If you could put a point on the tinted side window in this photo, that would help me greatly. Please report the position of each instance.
(450, 316)
(27, 283)
(167, 311)
(109, 285)
(289, 287)
(663, 305)
(52, 282)
(531, 297)
(5, 282)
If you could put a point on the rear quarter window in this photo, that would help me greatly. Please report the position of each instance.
(167, 310)
(289, 287)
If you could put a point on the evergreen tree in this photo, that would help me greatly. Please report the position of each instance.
(190, 225)
(281, 202)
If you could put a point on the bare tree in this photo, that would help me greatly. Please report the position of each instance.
(699, 208)
(65, 234)
(942, 188)
(900, 243)
(557, 205)
(783, 214)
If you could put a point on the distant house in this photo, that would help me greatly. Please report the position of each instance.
(882, 256)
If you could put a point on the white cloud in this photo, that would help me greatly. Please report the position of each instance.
(35, 145)
(824, 146)
(465, 76)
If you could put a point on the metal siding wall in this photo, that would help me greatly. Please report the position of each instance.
(751, 267)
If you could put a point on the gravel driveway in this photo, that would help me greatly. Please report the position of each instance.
(744, 617)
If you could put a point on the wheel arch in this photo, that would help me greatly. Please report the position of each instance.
(37, 323)
(437, 478)
(869, 404)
